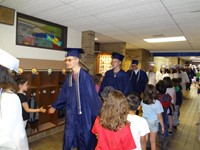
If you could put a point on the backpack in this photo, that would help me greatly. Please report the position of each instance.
(33, 117)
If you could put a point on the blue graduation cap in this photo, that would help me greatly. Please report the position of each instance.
(117, 56)
(75, 52)
(134, 61)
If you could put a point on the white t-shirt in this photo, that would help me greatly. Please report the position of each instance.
(171, 92)
(139, 127)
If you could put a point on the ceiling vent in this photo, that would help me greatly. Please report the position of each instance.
(196, 11)
(158, 35)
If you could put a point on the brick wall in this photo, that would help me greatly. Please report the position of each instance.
(119, 47)
(88, 44)
(142, 55)
(90, 58)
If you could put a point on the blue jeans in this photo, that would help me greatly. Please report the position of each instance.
(176, 118)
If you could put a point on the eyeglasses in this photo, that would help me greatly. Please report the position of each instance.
(69, 60)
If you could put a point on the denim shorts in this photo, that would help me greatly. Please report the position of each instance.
(153, 125)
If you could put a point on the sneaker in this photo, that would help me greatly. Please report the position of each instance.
(170, 132)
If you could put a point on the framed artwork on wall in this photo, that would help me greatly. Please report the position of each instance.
(39, 33)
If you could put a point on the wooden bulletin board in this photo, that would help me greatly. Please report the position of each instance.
(7, 15)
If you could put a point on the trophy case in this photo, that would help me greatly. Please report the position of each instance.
(104, 63)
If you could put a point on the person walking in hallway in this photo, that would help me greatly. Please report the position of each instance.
(138, 78)
(116, 77)
(81, 101)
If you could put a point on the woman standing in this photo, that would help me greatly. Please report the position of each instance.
(12, 132)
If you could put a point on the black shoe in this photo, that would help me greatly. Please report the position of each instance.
(175, 127)
(170, 132)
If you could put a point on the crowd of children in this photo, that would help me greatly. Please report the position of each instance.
(160, 107)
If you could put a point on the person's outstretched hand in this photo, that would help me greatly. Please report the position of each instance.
(43, 110)
(51, 110)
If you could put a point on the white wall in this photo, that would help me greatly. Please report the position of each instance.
(7, 43)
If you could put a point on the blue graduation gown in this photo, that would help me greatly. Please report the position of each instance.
(78, 126)
(119, 82)
(138, 81)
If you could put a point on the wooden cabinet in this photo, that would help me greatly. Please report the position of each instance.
(46, 89)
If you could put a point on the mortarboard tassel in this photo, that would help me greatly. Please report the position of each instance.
(78, 95)
(70, 79)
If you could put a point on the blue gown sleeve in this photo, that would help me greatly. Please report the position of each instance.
(60, 102)
(127, 85)
(92, 97)
(143, 82)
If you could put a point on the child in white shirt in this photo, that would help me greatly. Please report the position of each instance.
(139, 126)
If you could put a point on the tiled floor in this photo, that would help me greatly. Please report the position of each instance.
(185, 138)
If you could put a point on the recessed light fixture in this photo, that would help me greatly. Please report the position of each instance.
(95, 39)
(166, 39)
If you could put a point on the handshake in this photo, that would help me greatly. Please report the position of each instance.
(41, 109)
(51, 110)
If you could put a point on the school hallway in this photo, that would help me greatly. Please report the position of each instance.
(185, 138)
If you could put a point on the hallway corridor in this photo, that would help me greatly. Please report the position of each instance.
(185, 138)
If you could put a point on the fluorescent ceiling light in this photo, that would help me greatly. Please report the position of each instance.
(192, 57)
(196, 60)
(166, 39)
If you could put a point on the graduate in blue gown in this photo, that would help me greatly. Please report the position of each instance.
(138, 78)
(116, 77)
(82, 104)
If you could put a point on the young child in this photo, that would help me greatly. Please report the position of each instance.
(179, 98)
(139, 126)
(97, 81)
(22, 88)
(105, 92)
(171, 91)
(152, 112)
(165, 100)
(198, 87)
(112, 127)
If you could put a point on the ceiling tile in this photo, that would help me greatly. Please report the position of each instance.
(129, 21)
